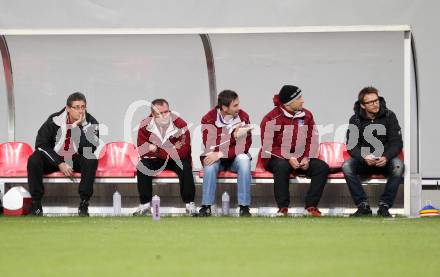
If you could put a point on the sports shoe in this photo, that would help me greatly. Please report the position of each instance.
(363, 210)
(143, 209)
(383, 210)
(282, 211)
(244, 211)
(190, 208)
(205, 210)
(313, 211)
(36, 209)
(83, 209)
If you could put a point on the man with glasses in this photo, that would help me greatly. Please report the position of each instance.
(164, 143)
(374, 141)
(65, 142)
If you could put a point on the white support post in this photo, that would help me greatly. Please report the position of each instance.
(411, 189)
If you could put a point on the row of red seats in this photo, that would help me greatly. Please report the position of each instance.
(119, 159)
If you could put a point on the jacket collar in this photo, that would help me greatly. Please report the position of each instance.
(298, 114)
(61, 121)
(171, 130)
(229, 125)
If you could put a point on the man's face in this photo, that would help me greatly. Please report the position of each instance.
(371, 103)
(76, 110)
(233, 108)
(297, 104)
(161, 114)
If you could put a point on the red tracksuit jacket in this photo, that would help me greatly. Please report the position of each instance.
(286, 135)
(176, 132)
(219, 139)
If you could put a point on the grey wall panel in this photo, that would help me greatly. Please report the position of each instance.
(329, 68)
(113, 71)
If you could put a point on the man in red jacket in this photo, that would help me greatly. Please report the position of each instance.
(164, 143)
(290, 144)
(227, 137)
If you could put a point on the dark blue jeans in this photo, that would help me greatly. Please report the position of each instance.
(353, 169)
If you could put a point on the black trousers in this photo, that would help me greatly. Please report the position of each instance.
(38, 165)
(145, 178)
(281, 169)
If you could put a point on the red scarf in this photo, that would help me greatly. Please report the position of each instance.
(68, 134)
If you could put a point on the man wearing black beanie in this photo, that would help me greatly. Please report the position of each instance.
(290, 144)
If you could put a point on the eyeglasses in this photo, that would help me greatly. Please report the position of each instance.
(77, 108)
(375, 101)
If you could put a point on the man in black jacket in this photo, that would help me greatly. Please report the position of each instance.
(374, 141)
(65, 142)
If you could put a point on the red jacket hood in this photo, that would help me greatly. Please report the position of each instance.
(276, 100)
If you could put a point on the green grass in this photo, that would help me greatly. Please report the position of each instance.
(183, 246)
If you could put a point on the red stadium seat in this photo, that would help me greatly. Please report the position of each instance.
(334, 154)
(13, 159)
(117, 159)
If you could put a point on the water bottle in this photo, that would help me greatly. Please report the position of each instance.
(116, 203)
(155, 203)
(225, 203)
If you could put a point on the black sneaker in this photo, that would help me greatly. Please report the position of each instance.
(383, 210)
(363, 210)
(244, 211)
(205, 210)
(36, 209)
(83, 209)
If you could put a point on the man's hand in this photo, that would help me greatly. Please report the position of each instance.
(242, 131)
(294, 163)
(178, 145)
(212, 157)
(66, 169)
(152, 147)
(80, 120)
(381, 162)
(305, 163)
(370, 160)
